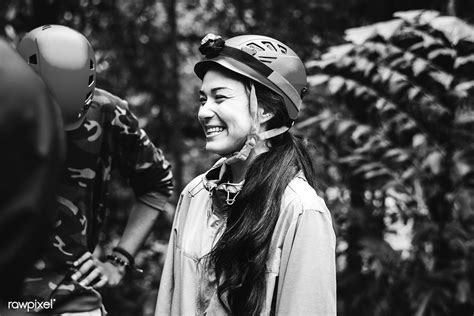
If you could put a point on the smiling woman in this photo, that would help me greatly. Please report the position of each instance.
(224, 113)
(250, 236)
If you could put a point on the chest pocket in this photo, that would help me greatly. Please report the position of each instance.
(197, 228)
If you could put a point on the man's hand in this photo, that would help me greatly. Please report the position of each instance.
(95, 273)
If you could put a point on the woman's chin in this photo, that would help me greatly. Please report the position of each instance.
(220, 150)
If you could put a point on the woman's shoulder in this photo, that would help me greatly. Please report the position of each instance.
(194, 185)
(299, 196)
(191, 194)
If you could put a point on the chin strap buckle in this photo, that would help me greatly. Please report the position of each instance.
(244, 153)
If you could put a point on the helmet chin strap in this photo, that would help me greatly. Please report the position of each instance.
(253, 137)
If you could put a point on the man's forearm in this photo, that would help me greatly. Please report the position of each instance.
(139, 225)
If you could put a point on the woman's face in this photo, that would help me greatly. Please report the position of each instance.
(224, 113)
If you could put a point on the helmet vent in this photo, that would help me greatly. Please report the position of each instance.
(91, 80)
(270, 46)
(45, 27)
(267, 59)
(33, 60)
(91, 64)
(255, 47)
(283, 49)
(88, 96)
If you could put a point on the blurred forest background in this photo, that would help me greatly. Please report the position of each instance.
(390, 111)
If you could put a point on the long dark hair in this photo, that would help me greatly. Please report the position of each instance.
(239, 257)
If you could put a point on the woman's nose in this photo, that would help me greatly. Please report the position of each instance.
(205, 111)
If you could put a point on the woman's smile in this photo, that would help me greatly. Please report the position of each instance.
(212, 130)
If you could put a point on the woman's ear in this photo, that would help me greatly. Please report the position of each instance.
(263, 116)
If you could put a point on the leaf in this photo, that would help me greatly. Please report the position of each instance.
(462, 168)
(10, 32)
(368, 167)
(308, 122)
(359, 131)
(398, 62)
(380, 103)
(409, 173)
(433, 162)
(465, 87)
(443, 78)
(463, 291)
(320, 64)
(375, 174)
(419, 66)
(352, 160)
(360, 35)
(397, 84)
(350, 85)
(396, 155)
(319, 79)
(343, 127)
(418, 140)
(312, 63)
(385, 73)
(451, 53)
(326, 123)
(443, 57)
(360, 92)
(463, 61)
(371, 145)
(414, 92)
(336, 52)
(389, 29)
(362, 63)
(335, 84)
(417, 16)
(424, 303)
(453, 28)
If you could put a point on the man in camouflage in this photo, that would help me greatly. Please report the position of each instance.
(107, 137)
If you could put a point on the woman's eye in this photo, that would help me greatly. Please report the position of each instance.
(220, 97)
(202, 101)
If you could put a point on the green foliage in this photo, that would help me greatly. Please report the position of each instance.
(397, 131)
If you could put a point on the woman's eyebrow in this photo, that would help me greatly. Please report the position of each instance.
(220, 88)
(214, 90)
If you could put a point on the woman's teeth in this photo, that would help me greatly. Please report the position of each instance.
(212, 131)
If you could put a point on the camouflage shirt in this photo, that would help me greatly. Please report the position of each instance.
(109, 138)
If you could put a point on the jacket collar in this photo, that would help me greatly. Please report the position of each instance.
(217, 181)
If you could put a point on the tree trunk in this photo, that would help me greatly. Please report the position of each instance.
(176, 135)
(451, 7)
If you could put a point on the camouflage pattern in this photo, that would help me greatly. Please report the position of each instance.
(109, 138)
